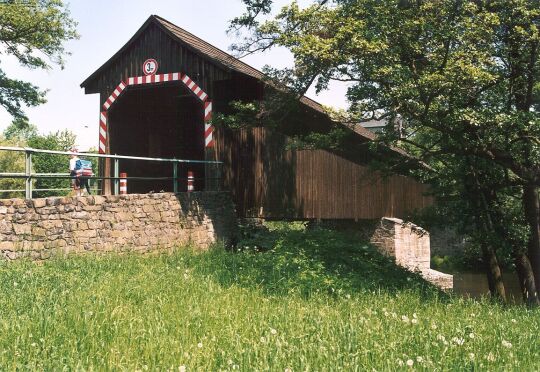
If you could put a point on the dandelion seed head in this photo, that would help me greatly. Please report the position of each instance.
(410, 362)
(199, 345)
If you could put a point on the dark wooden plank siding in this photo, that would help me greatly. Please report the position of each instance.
(266, 179)
(171, 57)
(270, 181)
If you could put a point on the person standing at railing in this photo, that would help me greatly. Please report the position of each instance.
(75, 181)
(79, 170)
(83, 169)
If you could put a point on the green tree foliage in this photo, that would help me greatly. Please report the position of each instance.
(462, 77)
(32, 31)
(50, 163)
(13, 162)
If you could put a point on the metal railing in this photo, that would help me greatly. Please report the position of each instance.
(212, 171)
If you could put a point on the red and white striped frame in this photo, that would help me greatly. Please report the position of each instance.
(158, 78)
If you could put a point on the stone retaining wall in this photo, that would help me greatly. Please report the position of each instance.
(138, 222)
(410, 246)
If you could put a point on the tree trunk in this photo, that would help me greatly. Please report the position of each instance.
(526, 279)
(478, 198)
(493, 271)
(531, 206)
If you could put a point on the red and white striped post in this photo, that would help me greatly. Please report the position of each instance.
(123, 183)
(190, 181)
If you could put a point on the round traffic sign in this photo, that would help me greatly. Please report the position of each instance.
(150, 66)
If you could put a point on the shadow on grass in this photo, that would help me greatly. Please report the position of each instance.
(286, 259)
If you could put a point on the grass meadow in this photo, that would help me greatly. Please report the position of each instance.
(290, 300)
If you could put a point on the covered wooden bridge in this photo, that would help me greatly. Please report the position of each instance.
(157, 97)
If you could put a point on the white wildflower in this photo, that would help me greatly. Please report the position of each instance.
(405, 318)
(199, 345)
(458, 340)
(440, 337)
(433, 326)
(514, 321)
(471, 335)
(400, 362)
(506, 344)
(410, 362)
(414, 321)
(490, 357)
(419, 359)
(182, 368)
(273, 331)
(263, 340)
(471, 356)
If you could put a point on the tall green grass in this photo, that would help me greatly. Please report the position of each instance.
(311, 300)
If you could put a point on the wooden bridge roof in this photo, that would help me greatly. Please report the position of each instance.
(211, 53)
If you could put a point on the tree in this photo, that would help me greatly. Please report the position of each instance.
(32, 31)
(15, 135)
(461, 75)
(51, 163)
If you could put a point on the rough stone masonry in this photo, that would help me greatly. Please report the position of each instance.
(137, 222)
(410, 246)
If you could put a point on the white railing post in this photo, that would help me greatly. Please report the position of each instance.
(116, 175)
(28, 171)
(175, 176)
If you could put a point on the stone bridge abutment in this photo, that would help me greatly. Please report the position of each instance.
(38, 228)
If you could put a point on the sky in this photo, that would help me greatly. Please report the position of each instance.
(104, 27)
